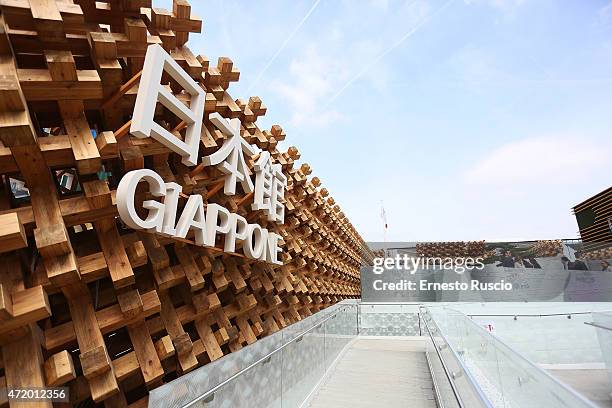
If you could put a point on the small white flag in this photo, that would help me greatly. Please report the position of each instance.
(383, 215)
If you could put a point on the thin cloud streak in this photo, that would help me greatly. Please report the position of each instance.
(420, 24)
(282, 47)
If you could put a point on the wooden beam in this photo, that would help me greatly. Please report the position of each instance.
(59, 369)
(102, 382)
(12, 233)
(23, 365)
(122, 90)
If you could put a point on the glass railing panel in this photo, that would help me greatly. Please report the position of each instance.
(481, 357)
(390, 319)
(303, 366)
(307, 355)
(258, 387)
(191, 386)
(547, 339)
(603, 325)
(339, 332)
(442, 388)
(506, 377)
(526, 386)
(454, 384)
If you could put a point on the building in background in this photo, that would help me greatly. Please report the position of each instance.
(594, 218)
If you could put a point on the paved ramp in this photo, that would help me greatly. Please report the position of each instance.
(589, 379)
(379, 373)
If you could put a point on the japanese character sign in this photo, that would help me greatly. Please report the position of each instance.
(270, 185)
(151, 91)
(230, 157)
(210, 219)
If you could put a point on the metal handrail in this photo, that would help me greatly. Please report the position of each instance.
(599, 326)
(528, 362)
(450, 376)
(445, 368)
(434, 382)
(391, 303)
(525, 314)
(263, 359)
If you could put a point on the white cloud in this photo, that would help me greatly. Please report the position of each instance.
(313, 78)
(605, 12)
(339, 55)
(539, 161)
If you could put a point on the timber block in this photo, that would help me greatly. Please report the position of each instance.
(222, 336)
(257, 328)
(132, 158)
(6, 303)
(28, 306)
(183, 344)
(16, 127)
(201, 302)
(12, 233)
(62, 270)
(130, 303)
(103, 44)
(98, 194)
(190, 268)
(107, 144)
(59, 369)
(52, 240)
(61, 65)
(136, 252)
(164, 347)
(95, 362)
(213, 302)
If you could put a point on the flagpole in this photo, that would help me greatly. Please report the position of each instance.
(383, 216)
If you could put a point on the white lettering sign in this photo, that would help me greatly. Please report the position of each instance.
(230, 157)
(256, 242)
(151, 91)
(206, 221)
(270, 185)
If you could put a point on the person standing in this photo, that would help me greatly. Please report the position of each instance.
(566, 262)
(580, 265)
(534, 263)
(508, 261)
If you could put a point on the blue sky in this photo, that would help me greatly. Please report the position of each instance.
(479, 119)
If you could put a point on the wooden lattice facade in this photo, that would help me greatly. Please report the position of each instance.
(457, 249)
(594, 218)
(88, 303)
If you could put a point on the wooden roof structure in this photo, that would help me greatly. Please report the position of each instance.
(594, 217)
(454, 249)
(90, 304)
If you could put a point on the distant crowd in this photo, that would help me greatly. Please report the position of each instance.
(580, 265)
(516, 261)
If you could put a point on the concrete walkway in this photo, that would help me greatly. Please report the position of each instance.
(589, 379)
(379, 373)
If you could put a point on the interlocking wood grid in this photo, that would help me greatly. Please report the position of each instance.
(105, 310)
(547, 248)
(457, 249)
(594, 217)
